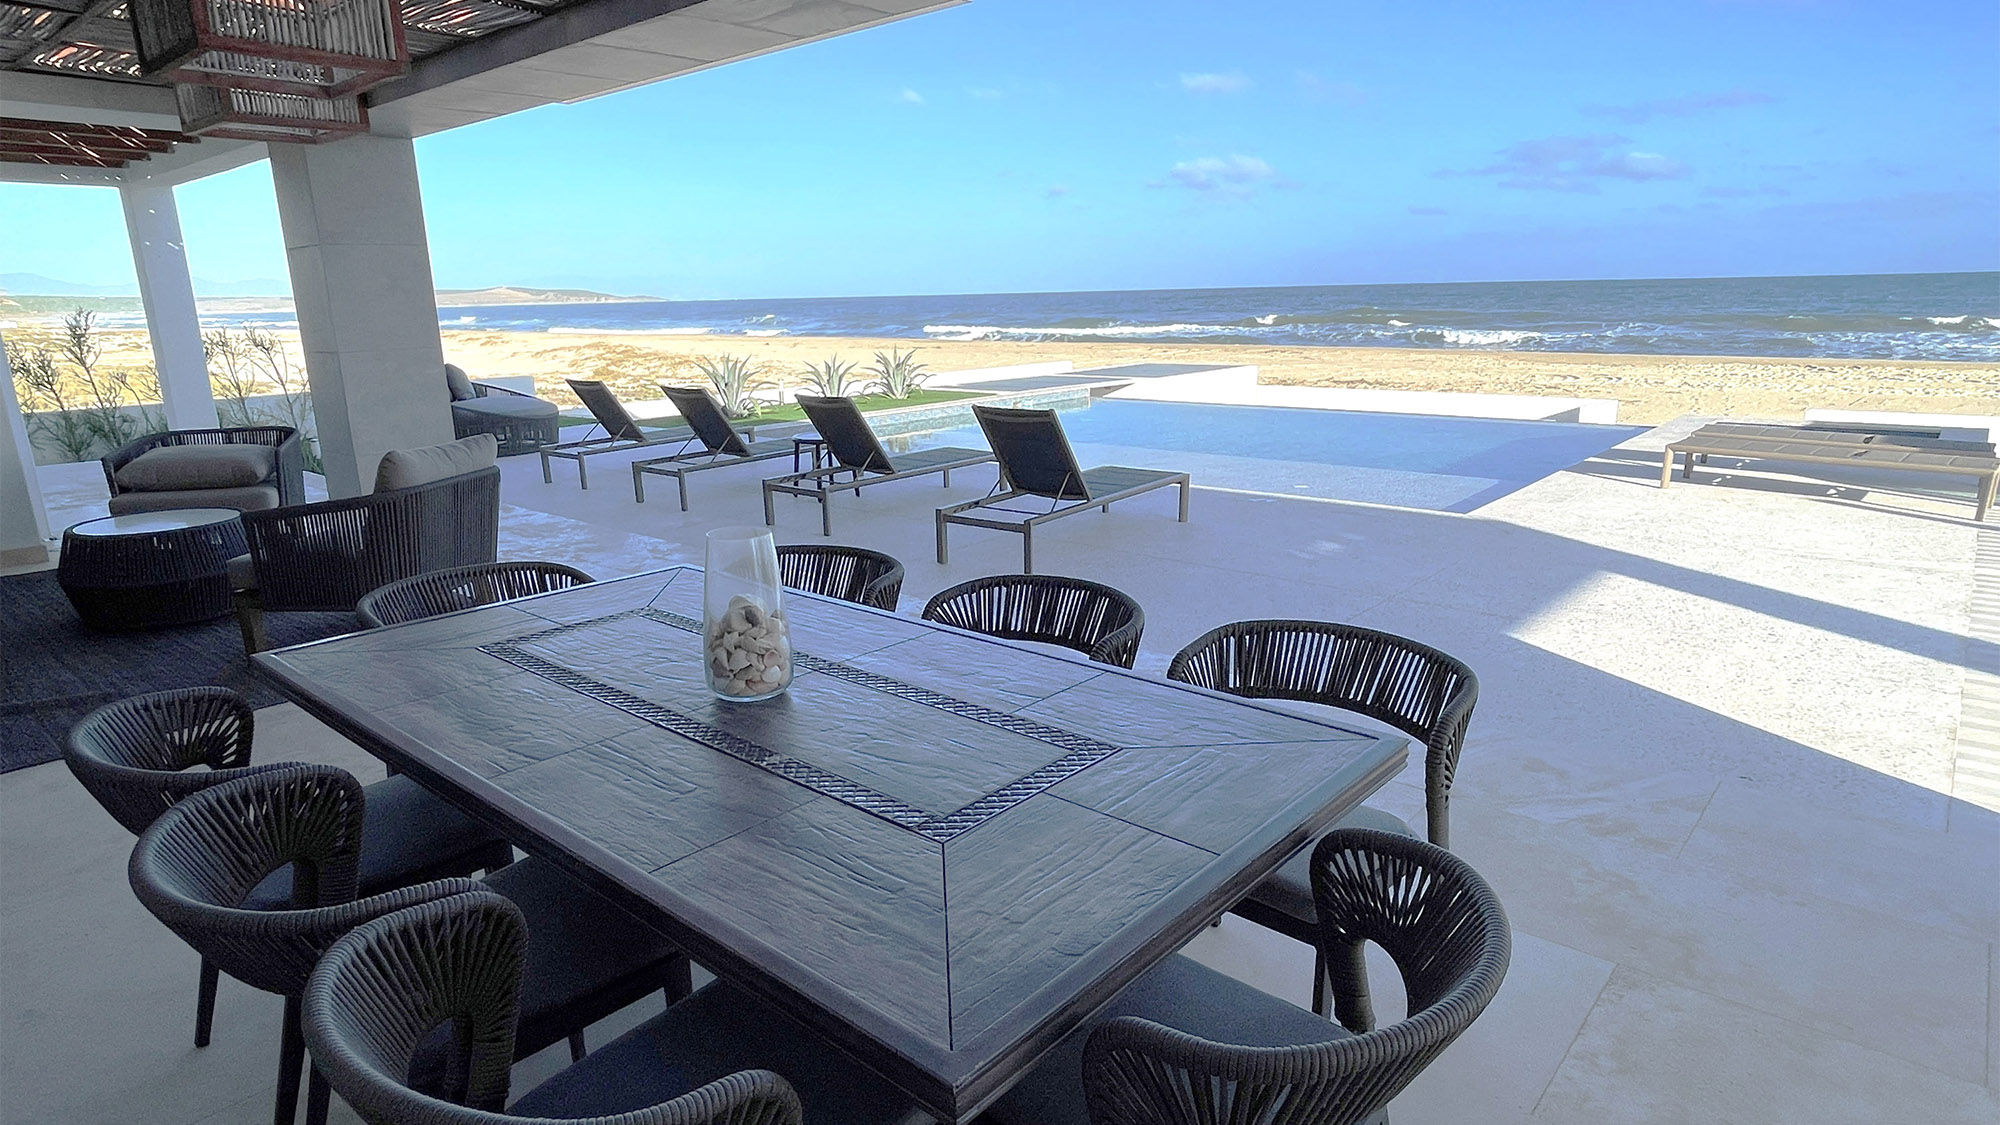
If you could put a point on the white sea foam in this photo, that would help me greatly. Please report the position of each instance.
(763, 332)
(1268, 319)
(1002, 332)
(1394, 323)
(1477, 336)
(568, 330)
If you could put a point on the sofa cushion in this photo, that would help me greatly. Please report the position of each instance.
(168, 468)
(404, 468)
(459, 382)
(251, 498)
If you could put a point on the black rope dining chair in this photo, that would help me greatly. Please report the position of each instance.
(464, 587)
(1425, 693)
(714, 1058)
(377, 995)
(852, 574)
(1094, 619)
(1186, 1045)
(140, 756)
(201, 860)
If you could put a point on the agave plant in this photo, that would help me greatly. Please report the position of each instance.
(831, 378)
(897, 373)
(734, 378)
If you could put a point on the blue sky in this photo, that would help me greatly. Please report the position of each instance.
(1028, 145)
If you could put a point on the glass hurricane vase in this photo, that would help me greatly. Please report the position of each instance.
(746, 647)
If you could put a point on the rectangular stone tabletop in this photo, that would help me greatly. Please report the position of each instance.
(940, 849)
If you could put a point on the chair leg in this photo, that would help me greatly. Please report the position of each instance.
(682, 479)
(1027, 548)
(1184, 500)
(250, 622)
(1319, 982)
(770, 513)
(547, 477)
(576, 1046)
(291, 1056)
(204, 1005)
(638, 485)
(582, 473)
(943, 549)
(318, 1096)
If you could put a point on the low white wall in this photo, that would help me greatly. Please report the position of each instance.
(1232, 387)
(1011, 371)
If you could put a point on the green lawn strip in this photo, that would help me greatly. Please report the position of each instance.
(790, 412)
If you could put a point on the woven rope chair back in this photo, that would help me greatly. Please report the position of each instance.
(138, 756)
(604, 406)
(852, 574)
(455, 963)
(705, 417)
(329, 554)
(201, 859)
(447, 591)
(1101, 622)
(1427, 694)
(1434, 915)
(848, 436)
(1033, 451)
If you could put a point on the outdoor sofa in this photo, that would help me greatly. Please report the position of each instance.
(521, 423)
(241, 467)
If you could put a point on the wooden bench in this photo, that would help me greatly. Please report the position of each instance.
(1833, 447)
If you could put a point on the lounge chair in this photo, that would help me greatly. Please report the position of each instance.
(858, 457)
(621, 432)
(721, 444)
(1036, 461)
(1833, 447)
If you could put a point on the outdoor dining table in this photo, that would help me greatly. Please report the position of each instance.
(940, 850)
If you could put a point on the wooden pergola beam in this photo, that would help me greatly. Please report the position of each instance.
(136, 145)
(85, 129)
(80, 160)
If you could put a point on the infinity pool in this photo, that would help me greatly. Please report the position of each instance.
(1426, 461)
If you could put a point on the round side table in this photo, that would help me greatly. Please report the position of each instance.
(150, 568)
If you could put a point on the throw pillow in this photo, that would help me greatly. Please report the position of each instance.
(459, 382)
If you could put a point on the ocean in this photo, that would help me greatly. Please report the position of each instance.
(1946, 316)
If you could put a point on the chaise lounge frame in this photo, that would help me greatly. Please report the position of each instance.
(1873, 450)
(859, 457)
(722, 444)
(621, 432)
(1036, 460)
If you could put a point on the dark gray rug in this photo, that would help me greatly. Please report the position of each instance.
(53, 671)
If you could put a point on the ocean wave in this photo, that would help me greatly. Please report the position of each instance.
(585, 330)
(1057, 332)
(1478, 337)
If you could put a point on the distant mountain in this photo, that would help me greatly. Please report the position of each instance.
(36, 285)
(523, 295)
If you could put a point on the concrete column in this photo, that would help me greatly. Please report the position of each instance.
(153, 224)
(24, 523)
(361, 280)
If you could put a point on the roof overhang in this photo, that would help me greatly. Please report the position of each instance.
(571, 54)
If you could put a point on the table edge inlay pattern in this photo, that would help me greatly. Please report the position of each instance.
(1083, 751)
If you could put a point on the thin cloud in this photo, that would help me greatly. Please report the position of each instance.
(1575, 164)
(1235, 175)
(1638, 113)
(1317, 87)
(1214, 83)
(986, 93)
(1427, 211)
(910, 97)
(1057, 191)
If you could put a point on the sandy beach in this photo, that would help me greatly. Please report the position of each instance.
(1649, 388)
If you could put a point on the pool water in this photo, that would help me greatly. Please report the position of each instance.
(1425, 461)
